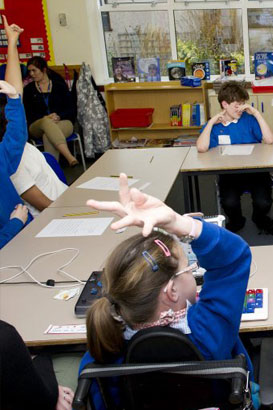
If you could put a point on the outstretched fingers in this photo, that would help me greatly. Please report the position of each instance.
(128, 220)
(138, 197)
(124, 192)
(111, 206)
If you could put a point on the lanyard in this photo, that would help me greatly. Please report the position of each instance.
(45, 95)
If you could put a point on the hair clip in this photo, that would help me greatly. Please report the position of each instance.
(150, 260)
(164, 248)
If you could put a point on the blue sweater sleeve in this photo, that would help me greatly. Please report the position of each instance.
(213, 141)
(9, 230)
(215, 319)
(15, 138)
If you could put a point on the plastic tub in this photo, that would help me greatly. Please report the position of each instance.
(131, 117)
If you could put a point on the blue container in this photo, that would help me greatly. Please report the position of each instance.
(191, 81)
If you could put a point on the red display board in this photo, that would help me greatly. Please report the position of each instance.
(32, 16)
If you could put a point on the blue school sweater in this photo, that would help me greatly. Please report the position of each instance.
(215, 319)
(245, 131)
(11, 150)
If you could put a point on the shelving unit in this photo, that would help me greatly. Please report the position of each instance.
(158, 95)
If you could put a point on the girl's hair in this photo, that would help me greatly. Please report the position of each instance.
(232, 91)
(38, 62)
(131, 289)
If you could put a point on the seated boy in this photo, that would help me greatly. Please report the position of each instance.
(240, 123)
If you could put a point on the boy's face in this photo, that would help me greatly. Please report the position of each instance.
(233, 109)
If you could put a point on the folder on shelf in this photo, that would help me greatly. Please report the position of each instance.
(186, 115)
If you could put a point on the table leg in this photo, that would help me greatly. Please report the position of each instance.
(197, 193)
(187, 195)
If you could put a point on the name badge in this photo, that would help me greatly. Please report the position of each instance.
(224, 140)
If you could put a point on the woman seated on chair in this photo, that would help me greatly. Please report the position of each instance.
(49, 109)
(147, 281)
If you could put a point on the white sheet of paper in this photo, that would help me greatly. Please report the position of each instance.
(74, 227)
(61, 329)
(105, 183)
(144, 186)
(237, 149)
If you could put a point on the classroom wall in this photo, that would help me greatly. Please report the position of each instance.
(80, 40)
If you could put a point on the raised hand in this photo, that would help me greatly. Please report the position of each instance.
(218, 118)
(137, 209)
(7, 88)
(249, 109)
(13, 31)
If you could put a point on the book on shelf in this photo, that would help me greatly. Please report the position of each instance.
(176, 115)
(263, 63)
(202, 114)
(195, 114)
(201, 70)
(186, 115)
(132, 143)
(162, 142)
(176, 69)
(148, 69)
(123, 69)
(185, 141)
(228, 67)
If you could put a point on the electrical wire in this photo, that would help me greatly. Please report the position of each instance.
(255, 268)
(59, 270)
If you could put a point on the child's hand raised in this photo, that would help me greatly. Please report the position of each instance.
(137, 209)
(13, 31)
(248, 108)
(8, 89)
(218, 118)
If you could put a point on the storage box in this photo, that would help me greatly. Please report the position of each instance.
(190, 81)
(262, 89)
(131, 117)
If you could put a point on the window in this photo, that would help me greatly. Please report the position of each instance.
(192, 30)
(260, 29)
(209, 35)
(138, 34)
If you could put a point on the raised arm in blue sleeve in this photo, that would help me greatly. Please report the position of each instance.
(215, 319)
(15, 138)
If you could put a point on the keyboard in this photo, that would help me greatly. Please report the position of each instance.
(255, 304)
(92, 291)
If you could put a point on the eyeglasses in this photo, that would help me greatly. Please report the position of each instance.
(193, 267)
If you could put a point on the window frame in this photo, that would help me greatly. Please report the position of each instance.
(170, 6)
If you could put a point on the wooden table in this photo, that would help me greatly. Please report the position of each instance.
(213, 162)
(262, 278)
(31, 308)
(157, 166)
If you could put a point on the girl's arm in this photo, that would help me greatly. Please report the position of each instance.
(15, 137)
(215, 319)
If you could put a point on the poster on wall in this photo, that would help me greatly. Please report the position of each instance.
(32, 16)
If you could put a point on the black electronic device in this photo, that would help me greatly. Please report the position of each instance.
(91, 292)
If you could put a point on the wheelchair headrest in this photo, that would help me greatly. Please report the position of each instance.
(161, 344)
